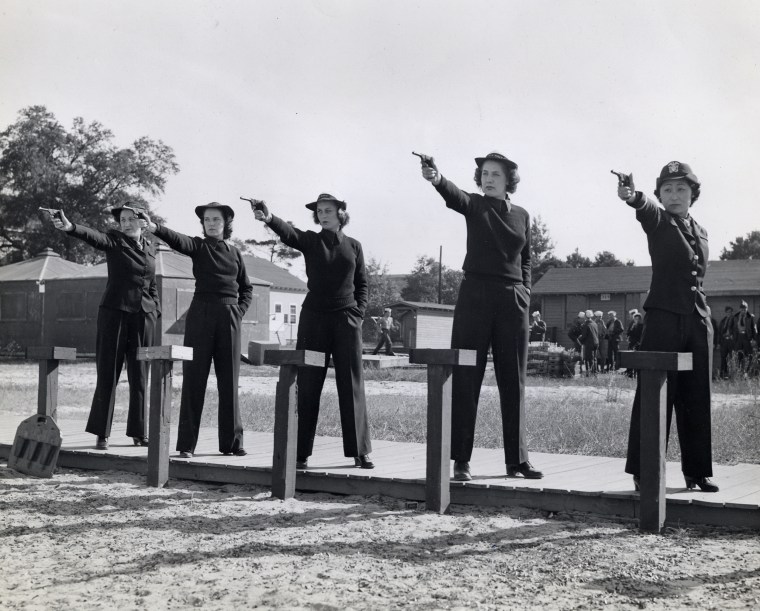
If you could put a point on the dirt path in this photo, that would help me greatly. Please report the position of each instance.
(87, 540)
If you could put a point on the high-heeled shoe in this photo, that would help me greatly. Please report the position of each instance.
(705, 484)
(140, 441)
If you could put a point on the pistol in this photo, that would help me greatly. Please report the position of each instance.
(257, 204)
(427, 160)
(53, 212)
(624, 180)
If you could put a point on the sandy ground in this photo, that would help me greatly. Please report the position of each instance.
(102, 540)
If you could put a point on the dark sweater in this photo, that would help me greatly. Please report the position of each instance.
(337, 278)
(131, 284)
(498, 240)
(218, 267)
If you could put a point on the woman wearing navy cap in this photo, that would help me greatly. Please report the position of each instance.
(677, 317)
(331, 322)
(126, 319)
(492, 307)
(223, 293)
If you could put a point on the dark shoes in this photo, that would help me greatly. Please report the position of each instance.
(365, 462)
(636, 482)
(302, 462)
(525, 469)
(101, 443)
(140, 441)
(239, 452)
(185, 454)
(462, 471)
(705, 484)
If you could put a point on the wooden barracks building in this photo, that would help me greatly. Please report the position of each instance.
(563, 292)
(47, 300)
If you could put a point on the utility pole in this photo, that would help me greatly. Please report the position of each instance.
(440, 268)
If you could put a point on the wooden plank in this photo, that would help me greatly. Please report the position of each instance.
(442, 356)
(160, 421)
(294, 357)
(656, 361)
(47, 388)
(170, 352)
(652, 443)
(51, 352)
(285, 433)
(256, 351)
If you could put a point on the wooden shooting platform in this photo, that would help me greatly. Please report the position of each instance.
(590, 484)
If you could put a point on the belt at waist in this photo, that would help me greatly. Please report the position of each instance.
(491, 279)
(211, 298)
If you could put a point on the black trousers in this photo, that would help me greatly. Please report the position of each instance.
(213, 332)
(119, 335)
(726, 349)
(688, 392)
(495, 315)
(385, 340)
(613, 355)
(337, 334)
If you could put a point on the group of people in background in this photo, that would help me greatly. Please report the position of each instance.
(491, 315)
(736, 338)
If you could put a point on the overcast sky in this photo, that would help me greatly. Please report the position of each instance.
(285, 100)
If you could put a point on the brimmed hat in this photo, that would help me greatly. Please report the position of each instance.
(496, 157)
(581, 314)
(589, 313)
(612, 313)
(536, 314)
(326, 197)
(633, 311)
(116, 212)
(598, 313)
(676, 170)
(228, 212)
(744, 305)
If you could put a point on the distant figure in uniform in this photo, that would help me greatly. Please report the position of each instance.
(745, 334)
(331, 322)
(601, 353)
(538, 328)
(574, 335)
(726, 339)
(589, 340)
(633, 336)
(126, 319)
(384, 325)
(677, 317)
(614, 333)
(223, 294)
(492, 307)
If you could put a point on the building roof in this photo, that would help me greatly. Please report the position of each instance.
(46, 265)
(422, 305)
(737, 277)
(281, 279)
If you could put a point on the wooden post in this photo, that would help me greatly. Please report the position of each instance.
(440, 364)
(256, 351)
(653, 369)
(47, 387)
(286, 416)
(162, 360)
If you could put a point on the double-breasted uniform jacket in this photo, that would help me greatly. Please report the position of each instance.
(677, 320)
(131, 284)
(126, 321)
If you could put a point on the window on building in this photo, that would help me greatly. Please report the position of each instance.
(292, 314)
(604, 296)
(13, 306)
(278, 308)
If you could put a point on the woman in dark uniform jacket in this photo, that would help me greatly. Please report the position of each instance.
(677, 317)
(331, 322)
(492, 307)
(223, 293)
(126, 319)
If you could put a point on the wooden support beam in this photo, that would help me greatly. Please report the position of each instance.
(653, 370)
(286, 416)
(256, 351)
(162, 360)
(440, 365)
(47, 384)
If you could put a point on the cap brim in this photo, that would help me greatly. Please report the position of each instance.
(508, 162)
(199, 210)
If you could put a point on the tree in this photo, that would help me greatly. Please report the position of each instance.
(81, 171)
(382, 290)
(743, 248)
(273, 249)
(606, 259)
(576, 259)
(422, 283)
(542, 257)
